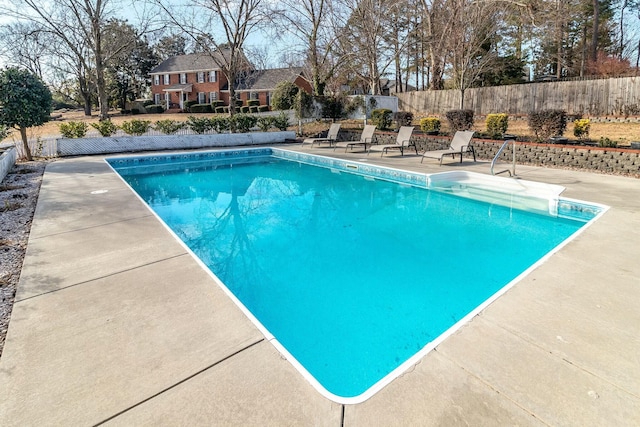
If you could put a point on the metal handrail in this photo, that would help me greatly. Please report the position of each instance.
(495, 159)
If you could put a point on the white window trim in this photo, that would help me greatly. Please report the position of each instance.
(183, 78)
(213, 96)
(156, 80)
(156, 98)
(200, 76)
(167, 79)
(167, 99)
(213, 76)
(202, 98)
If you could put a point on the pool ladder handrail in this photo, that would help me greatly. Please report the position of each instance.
(495, 159)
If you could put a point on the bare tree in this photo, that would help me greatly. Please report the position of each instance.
(235, 20)
(471, 41)
(25, 44)
(310, 23)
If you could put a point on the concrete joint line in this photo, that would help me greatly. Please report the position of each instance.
(180, 382)
(93, 226)
(102, 277)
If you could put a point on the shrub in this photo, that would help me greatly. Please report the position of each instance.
(169, 127)
(244, 109)
(220, 124)
(581, 128)
(606, 142)
(281, 121)
(201, 108)
(73, 129)
(105, 127)
(253, 102)
(403, 118)
(216, 104)
(497, 125)
(430, 125)
(263, 108)
(187, 105)
(283, 96)
(265, 123)
(4, 132)
(382, 118)
(222, 109)
(460, 119)
(547, 123)
(135, 111)
(199, 125)
(354, 104)
(154, 109)
(148, 102)
(253, 109)
(136, 127)
(332, 107)
(242, 122)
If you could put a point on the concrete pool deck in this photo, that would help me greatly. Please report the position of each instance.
(114, 323)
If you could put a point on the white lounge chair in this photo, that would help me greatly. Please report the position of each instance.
(460, 144)
(365, 139)
(403, 140)
(332, 136)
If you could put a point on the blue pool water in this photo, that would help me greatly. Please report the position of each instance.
(352, 276)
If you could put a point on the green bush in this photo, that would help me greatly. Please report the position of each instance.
(154, 109)
(221, 110)
(263, 108)
(73, 129)
(135, 111)
(283, 96)
(169, 127)
(253, 109)
(606, 142)
(200, 125)
(253, 102)
(403, 118)
(281, 121)
(135, 127)
(187, 106)
(382, 118)
(244, 109)
(430, 125)
(148, 102)
(105, 127)
(547, 123)
(581, 128)
(265, 123)
(4, 132)
(497, 125)
(216, 104)
(332, 107)
(220, 124)
(201, 108)
(460, 119)
(242, 122)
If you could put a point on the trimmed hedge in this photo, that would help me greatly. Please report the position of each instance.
(201, 108)
(403, 118)
(547, 123)
(73, 129)
(187, 105)
(105, 127)
(263, 108)
(135, 127)
(460, 119)
(154, 108)
(430, 125)
(382, 118)
(169, 127)
(497, 124)
(199, 125)
(253, 102)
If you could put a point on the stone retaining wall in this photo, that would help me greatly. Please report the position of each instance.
(608, 160)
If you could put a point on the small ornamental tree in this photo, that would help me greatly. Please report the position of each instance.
(25, 101)
(283, 97)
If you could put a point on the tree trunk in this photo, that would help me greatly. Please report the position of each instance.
(25, 144)
(462, 99)
(595, 30)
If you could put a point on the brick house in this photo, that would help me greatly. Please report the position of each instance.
(198, 77)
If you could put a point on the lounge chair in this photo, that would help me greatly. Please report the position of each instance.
(403, 140)
(365, 139)
(332, 136)
(460, 144)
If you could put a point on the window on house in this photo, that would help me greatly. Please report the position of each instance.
(183, 78)
(213, 96)
(268, 98)
(200, 77)
(213, 76)
(167, 80)
(202, 98)
(156, 98)
(156, 80)
(253, 95)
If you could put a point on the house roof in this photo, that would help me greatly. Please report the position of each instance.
(262, 80)
(193, 62)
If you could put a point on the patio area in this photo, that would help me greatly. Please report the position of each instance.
(115, 323)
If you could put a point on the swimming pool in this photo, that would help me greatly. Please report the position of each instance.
(353, 271)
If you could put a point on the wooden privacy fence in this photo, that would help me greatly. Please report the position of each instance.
(603, 97)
